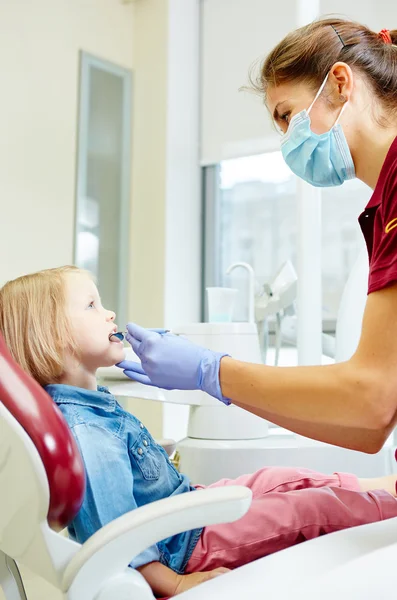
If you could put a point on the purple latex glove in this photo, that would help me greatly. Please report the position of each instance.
(172, 362)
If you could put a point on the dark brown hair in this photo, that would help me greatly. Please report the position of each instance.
(308, 53)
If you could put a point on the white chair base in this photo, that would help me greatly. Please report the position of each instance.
(10, 579)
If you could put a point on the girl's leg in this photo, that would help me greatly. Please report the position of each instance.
(286, 479)
(388, 483)
(278, 520)
(282, 479)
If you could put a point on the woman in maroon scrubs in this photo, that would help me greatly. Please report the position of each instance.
(331, 88)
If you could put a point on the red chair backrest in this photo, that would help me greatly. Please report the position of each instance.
(39, 416)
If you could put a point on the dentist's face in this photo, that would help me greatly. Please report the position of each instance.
(342, 86)
(91, 323)
(287, 100)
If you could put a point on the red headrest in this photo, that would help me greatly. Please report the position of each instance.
(39, 416)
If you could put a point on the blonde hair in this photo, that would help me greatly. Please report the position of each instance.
(34, 322)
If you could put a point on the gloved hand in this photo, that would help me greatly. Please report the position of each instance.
(172, 362)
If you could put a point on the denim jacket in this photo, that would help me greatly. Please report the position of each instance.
(125, 469)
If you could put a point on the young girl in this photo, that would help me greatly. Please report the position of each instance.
(58, 331)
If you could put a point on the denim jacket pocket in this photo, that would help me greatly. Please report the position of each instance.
(146, 457)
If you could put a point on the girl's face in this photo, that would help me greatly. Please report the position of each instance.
(91, 323)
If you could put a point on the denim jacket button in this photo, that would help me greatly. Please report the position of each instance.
(141, 425)
(145, 442)
(140, 451)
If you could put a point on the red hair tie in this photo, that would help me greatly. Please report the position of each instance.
(385, 36)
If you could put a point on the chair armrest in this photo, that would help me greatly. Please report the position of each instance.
(112, 548)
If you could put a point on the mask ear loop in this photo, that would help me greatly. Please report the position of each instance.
(316, 97)
(318, 93)
(341, 112)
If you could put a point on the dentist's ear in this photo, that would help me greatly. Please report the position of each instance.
(341, 78)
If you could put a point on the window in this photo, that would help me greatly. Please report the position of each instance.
(250, 215)
(103, 178)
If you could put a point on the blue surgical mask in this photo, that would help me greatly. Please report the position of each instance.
(323, 160)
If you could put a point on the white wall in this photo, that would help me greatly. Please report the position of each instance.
(236, 34)
(166, 203)
(39, 67)
(183, 199)
(363, 11)
(148, 160)
(375, 14)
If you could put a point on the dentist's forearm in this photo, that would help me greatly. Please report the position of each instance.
(347, 437)
(340, 404)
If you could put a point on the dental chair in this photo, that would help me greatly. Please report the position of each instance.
(41, 490)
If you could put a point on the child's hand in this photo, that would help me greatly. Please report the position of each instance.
(188, 581)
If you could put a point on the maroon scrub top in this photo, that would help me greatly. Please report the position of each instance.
(378, 223)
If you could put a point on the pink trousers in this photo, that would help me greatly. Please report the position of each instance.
(289, 506)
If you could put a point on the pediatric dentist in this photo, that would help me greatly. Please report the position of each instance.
(331, 88)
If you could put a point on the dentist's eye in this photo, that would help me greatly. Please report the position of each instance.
(286, 117)
(91, 305)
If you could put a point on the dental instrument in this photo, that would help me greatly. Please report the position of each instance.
(119, 335)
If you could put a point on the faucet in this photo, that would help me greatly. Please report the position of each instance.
(251, 287)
